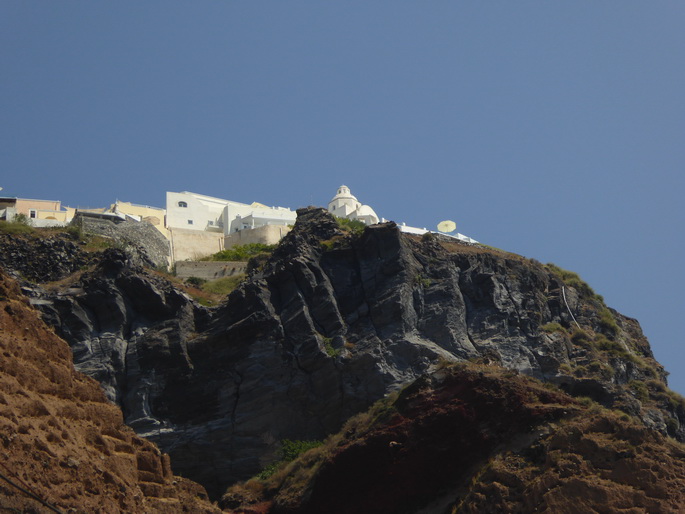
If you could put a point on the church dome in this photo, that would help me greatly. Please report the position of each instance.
(366, 214)
(344, 193)
(343, 203)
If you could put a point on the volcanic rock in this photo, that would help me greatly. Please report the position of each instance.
(63, 445)
(329, 324)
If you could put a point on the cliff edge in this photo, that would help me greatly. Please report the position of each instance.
(330, 323)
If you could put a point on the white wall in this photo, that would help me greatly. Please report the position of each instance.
(194, 244)
(201, 212)
(190, 215)
(268, 235)
(238, 219)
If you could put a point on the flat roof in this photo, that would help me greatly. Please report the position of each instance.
(28, 199)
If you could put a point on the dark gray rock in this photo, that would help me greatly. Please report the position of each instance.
(322, 329)
(142, 241)
(42, 259)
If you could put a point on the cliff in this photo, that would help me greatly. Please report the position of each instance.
(63, 445)
(330, 323)
(474, 438)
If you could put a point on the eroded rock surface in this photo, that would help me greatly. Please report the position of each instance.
(325, 327)
(478, 439)
(62, 441)
(42, 259)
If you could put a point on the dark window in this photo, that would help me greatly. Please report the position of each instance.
(182, 204)
(32, 213)
(190, 222)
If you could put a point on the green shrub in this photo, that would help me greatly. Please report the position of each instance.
(657, 386)
(332, 243)
(573, 280)
(14, 228)
(601, 369)
(289, 451)
(607, 323)
(565, 368)
(640, 388)
(672, 425)
(241, 252)
(580, 371)
(580, 337)
(428, 236)
(675, 400)
(224, 285)
(327, 343)
(424, 281)
(553, 327)
(355, 227)
(195, 281)
(98, 243)
(586, 401)
(22, 219)
(75, 232)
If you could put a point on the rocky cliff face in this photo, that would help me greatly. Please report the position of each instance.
(328, 325)
(64, 447)
(478, 439)
(44, 259)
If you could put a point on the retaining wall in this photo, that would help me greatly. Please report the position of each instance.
(210, 270)
(194, 244)
(268, 235)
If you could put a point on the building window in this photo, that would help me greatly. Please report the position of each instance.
(182, 204)
(210, 223)
(190, 222)
(32, 213)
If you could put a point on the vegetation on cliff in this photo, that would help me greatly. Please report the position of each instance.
(477, 438)
(330, 322)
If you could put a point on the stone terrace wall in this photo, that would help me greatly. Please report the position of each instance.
(209, 270)
(143, 236)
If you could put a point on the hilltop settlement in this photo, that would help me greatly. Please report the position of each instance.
(193, 225)
(357, 366)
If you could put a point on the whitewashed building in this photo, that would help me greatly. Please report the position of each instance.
(345, 205)
(201, 225)
(194, 211)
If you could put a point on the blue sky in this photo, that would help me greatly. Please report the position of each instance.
(551, 130)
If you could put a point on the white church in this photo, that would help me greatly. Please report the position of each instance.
(201, 225)
(345, 205)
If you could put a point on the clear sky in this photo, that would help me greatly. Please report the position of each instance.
(550, 129)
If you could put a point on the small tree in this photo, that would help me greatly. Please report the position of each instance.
(22, 219)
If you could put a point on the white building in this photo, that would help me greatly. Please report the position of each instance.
(193, 211)
(345, 205)
(201, 225)
(420, 231)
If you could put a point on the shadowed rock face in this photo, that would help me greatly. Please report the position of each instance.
(471, 438)
(329, 324)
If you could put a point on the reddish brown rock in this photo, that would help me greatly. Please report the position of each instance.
(62, 441)
(478, 439)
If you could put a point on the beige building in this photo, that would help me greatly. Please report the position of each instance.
(41, 213)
